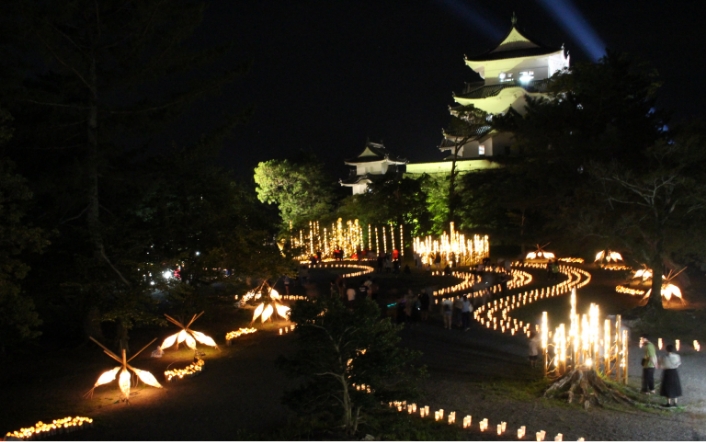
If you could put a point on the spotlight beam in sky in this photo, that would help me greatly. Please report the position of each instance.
(473, 16)
(573, 23)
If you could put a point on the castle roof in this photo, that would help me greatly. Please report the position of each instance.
(515, 45)
(493, 90)
(375, 152)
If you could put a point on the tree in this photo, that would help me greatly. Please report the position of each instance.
(100, 81)
(339, 348)
(467, 124)
(507, 205)
(393, 199)
(19, 320)
(593, 114)
(298, 186)
(436, 188)
(655, 201)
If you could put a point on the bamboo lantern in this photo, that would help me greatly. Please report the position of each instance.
(124, 377)
(187, 335)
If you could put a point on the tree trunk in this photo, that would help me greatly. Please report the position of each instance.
(452, 186)
(122, 338)
(93, 213)
(657, 263)
(92, 324)
(347, 407)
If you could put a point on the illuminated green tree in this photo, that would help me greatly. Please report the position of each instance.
(339, 348)
(298, 187)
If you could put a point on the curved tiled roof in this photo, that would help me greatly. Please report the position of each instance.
(375, 152)
(494, 89)
(515, 45)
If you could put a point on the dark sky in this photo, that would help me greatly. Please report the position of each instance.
(327, 75)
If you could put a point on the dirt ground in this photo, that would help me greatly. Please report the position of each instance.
(477, 372)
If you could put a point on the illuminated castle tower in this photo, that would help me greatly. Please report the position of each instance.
(518, 67)
(371, 165)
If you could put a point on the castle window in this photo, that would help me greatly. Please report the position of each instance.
(481, 150)
(526, 77)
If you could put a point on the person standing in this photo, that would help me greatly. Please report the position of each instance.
(437, 260)
(446, 312)
(671, 385)
(424, 302)
(410, 302)
(350, 296)
(287, 283)
(649, 363)
(466, 310)
(458, 308)
(534, 345)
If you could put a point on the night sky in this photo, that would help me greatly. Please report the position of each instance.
(327, 75)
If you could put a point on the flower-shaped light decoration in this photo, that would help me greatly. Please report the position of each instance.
(270, 305)
(668, 289)
(540, 253)
(187, 335)
(124, 378)
(644, 273)
(608, 256)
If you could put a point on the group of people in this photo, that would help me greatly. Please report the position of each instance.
(350, 294)
(670, 387)
(412, 308)
(553, 269)
(389, 262)
(457, 312)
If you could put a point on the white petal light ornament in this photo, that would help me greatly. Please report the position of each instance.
(668, 289)
(190, 337)
(107, 377)
(267, 310)
(124, 378)
(540, 254)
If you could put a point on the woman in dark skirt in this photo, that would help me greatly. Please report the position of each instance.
(671, 386)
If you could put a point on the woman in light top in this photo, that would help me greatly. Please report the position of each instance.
(671, 386)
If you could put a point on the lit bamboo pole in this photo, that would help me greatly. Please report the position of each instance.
(618, 349)
(311, 239)
(392, 237)
(377, 242)
(384, 240)
(606, 347)
(401, 241)
(545, 337)
(625, 357)
(370, 238)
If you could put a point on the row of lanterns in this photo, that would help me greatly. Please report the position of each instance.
(466, 423)
(238, 333)
(677, 344)
(362, 269)
(495, 315)
(57, 426)
(469, 280)
(190, 370)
